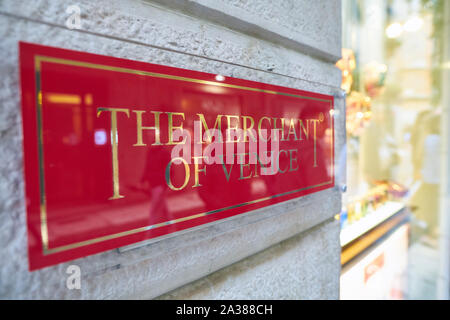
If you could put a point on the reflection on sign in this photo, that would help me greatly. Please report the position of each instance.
(119, 151)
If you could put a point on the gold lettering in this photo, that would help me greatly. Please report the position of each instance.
(259, 129)
(248, 129)
(280, 129)
(197, 170)
(314, 121)
(278, 161)
(305, 130)
(261, 165)
(242, 165)
(171, 127)
(140, 128)
(114, 147)
(230, 127)
(187, 174)
(292, 158)
(225, 171)
(292, 129)
(217, 124)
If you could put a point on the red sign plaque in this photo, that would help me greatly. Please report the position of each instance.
(119, 151)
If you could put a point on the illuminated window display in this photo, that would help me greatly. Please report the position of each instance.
(391, 73)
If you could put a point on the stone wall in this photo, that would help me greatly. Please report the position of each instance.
(289, 250)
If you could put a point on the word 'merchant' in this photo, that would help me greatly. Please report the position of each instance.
(209, 142)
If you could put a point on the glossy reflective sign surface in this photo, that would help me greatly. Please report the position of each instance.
(105, 165)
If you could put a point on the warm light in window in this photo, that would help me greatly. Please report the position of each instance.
(394, 30)
(413, 24)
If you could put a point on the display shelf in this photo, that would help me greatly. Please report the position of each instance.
(358, 228)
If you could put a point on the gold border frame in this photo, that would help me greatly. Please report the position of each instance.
(38, 59)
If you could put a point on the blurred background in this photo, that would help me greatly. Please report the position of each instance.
(394, 226)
